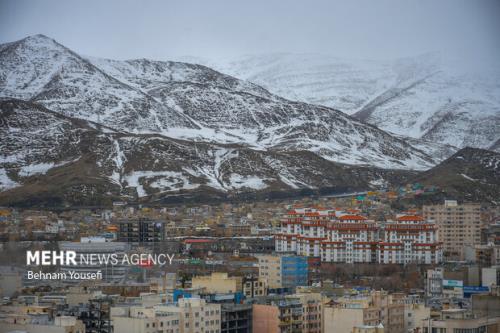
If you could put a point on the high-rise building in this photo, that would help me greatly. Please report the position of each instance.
(458, 226)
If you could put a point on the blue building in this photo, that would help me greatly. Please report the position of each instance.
(294, 271)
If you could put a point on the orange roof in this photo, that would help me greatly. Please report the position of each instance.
(410, 218)
(352, 217)
(312, 214)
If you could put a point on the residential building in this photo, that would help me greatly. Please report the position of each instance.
(434, 282)
(140, 230)
(291, 313)
(409, 239)
(490, 276)
(378, 308)
(141, 319)
(336, 236)
(460, 321)
(195, 315)
(283, 271)
(254, 286)
(458, 226)
(414, 314)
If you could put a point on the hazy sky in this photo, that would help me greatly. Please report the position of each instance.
(211, 28)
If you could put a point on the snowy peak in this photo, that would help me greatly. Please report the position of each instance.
(191, 102)
(422, 97)
(39, 69)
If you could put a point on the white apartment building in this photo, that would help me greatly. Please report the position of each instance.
(337, 236)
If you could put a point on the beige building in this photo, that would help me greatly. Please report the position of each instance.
(379, 308)
(190, 315)
(342, 319)
(458, 226)
(461, 321)
(270, 270)
(414, 315)
(218, 283)
(291, 313)
(254, 287)
(142, 319)
(195, 315)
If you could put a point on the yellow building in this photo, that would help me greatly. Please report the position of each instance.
(218, 283)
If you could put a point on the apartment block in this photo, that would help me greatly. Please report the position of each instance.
(336, 236)
(291, 313)
(460, 321)
(283, 271)
(140, 319)
(377, 309)
(458, 226)
(195, 315)
(254, 286)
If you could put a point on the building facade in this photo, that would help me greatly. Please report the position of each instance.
(458, 226)
(236, 318)
(336, 236)
(141, 231)
(283, 271)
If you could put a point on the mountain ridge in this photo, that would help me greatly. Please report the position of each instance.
(193, 102)
(78, 162)
(421, 97)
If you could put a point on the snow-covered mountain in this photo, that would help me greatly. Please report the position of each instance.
(421, 97)
(190, 102)
(51, 159)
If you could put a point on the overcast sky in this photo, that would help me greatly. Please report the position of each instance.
(212, 29)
